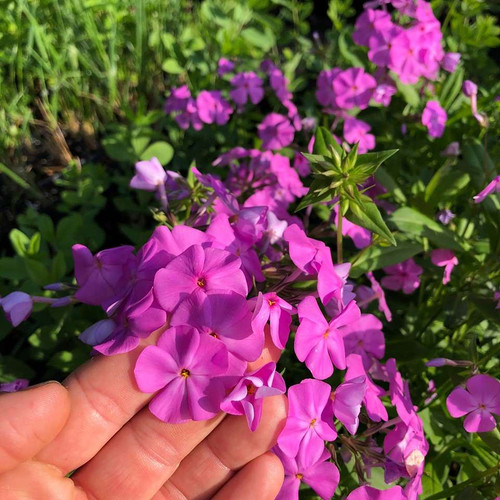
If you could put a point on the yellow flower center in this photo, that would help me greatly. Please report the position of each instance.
(185, 373)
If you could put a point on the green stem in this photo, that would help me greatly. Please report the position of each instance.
(339, 235)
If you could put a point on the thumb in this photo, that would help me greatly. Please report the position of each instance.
(29, 420)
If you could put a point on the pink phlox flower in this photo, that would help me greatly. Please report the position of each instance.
(434, 118)
(286, 177)
(224, 66)
(404, 57)
(325, 94)
(279, 83)
(370, 23)
(496, 296)
(444, 258)
(450, 61)
(103, 276)
(310, 420)
(274, 228)
(275, 131)
(380, 44)
(183, 367)
(212, 107)
(357, 131)
(148, 175)
(378, 293)
(305, 252)
(492, 187)
(320, 343)
(404, 276)
(399, 392)
(320, 474)
(273, 309)
(301, 164)
(383, 93)
(346, 402)
(479, 401)
(248, 396)
(220, 190)
(374, 406)
(178, 99)
(206, 270)
(370, 493)
(14, 386)
(365, 337)
(246, 86)
(224, 316)
(353, 88)
(189, 116)
(17, 307)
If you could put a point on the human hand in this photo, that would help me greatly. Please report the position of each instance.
(98, 424)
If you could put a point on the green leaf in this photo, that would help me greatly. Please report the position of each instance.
(376, 257)
(13, 176)
(171, 66)
(368, 163)
(37, 272)
(20, 242)
(12, 268)
(452, 88)
(161, 149)
(366, 214)
(445, 184)
(265, 40)
(390, 184)
(408, 92)
(323, 139)
(414, 223)
(58, 267)
(34, 245)
(492, 439)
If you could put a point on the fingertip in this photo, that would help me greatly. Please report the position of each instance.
(275, 473)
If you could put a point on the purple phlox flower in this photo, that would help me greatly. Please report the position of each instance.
(224, 66)
(302, 165)
(353, 88)
(399, 392)
(320, 343)
(450, 61)
(445, 216)
(371, 399)
(404, 57)
(369, 493)
(15, 385)
(149, 175)
(224, 316)
(306, 253)
(275, 228)
(189, 116)
(293, 114)
(365, 337)
(103, 276)
(357, 131)
(380, 44)
(287, 178)
(383, 93)
(320, 474)
(98, 332)
(479, 401)
(378, 293)
(206, 270)
(248, 395)
(178, 99)
(270, 307)
(324, 92)
(275, 131)
(492, 187)
(225, 238)
(183, 366)
(246, 86)
(17, 307)
(310, 420)
(346, 402)
(496, 296)
(453, 149)
(370, 23)
(444, 258)
(279, 83)
(434, 118)
(212, 107)
(404, 276)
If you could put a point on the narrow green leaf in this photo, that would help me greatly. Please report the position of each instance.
(370, 162)
(366, 214)
(445, 184)
(323, 138)
(4, 169)
(20, 241)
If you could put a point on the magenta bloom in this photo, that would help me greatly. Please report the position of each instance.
(15, 385)
(320, 474)
(370, 23)
(148, 175)
(206, 270)
(324, 93)
(103, 276)
(178, 99)
(434, 118)
(383, 93)
(17, 307)
(450, 61)
(189, 116)
(478, 401)
(319, 343)
(369, 493)
(246, 86)
(212, 107)
(224, 66)
(346, 402)
(380, 45)
(270, 307)
(404, 57)
(353, 88)
(492, 187)
(379, 294)
(404, 276)
(357, 131)
(371, 399)
(224, 316)
(444, 258)
(183, 366)
(365, 337)
(248, 396)
(275, 131)
(310, 419)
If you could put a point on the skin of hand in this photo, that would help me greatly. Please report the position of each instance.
(98, 424)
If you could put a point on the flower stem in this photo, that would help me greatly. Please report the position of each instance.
(339, 235)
